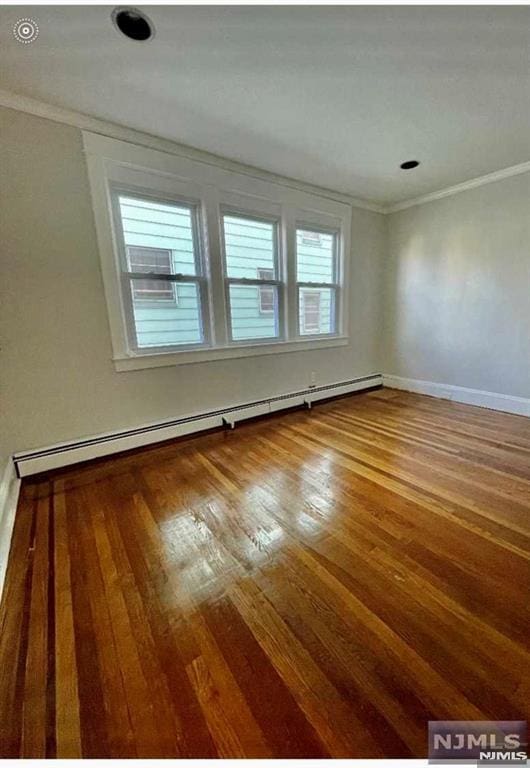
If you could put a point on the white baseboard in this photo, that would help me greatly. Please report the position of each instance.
(493, 400)
(9, 490)
(64, 454)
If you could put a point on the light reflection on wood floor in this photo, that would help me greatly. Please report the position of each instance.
(315, 584)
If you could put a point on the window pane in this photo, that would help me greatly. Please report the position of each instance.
(316, 308)
(152, 227)
(248, 321)
(315, 256)
(249, 247)
(161, 322)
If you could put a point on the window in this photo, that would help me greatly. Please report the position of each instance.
(153, 260)
(316, 275)
(204, 263)
(311, 238)
(310, 311)
(162, 269)
(266, 292)
(253, 295)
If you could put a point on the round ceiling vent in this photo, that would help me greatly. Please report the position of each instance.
(133, 23)
(409, 164)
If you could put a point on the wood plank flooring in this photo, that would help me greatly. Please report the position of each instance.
(315, 584)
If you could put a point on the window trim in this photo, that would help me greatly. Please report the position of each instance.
(233, 351)
(186, 178)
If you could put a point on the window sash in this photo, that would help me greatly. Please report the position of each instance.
(277, 284)
(334, 234)
(173, 280)
(335, 285)
(127, 275)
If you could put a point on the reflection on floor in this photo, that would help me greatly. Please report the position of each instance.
(319, 583)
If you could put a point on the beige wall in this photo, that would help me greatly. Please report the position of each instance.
(457, 292)
(57, 378)
(456, 301)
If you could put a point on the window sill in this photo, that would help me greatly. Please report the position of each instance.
(185, 357)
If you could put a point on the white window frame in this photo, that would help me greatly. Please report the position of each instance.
(184, 179)
(277, 282)
(199, 278)
(335, 285)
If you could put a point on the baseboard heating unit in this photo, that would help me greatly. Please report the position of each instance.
(63, 454)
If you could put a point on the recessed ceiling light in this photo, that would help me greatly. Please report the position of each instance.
(133, 23)
(406, 166)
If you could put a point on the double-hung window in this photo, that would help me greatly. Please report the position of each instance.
(251, 277)
(162, 278)
(317, 281)
(203, 263)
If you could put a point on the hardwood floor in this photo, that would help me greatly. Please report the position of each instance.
(315, 584)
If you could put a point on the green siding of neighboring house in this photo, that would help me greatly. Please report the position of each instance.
(249, 247)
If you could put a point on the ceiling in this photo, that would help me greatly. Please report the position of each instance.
(337, 96)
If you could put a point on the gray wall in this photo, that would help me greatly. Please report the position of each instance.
(57, 377)
(458, 289)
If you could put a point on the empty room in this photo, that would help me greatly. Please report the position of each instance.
(265, 382)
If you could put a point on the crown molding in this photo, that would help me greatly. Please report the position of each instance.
(479, 181)
(86, 122)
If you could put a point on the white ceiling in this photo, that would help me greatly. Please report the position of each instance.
(335, 96)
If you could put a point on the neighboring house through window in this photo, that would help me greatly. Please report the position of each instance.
(266, 292)
(156, 261)
(251, 262)
(311, 238)
(310, 311)
(317, 277)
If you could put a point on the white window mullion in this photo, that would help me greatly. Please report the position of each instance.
(339, 279)
(289, 249)
(212, 238)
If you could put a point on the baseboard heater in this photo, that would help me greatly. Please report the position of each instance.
(63, 454)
